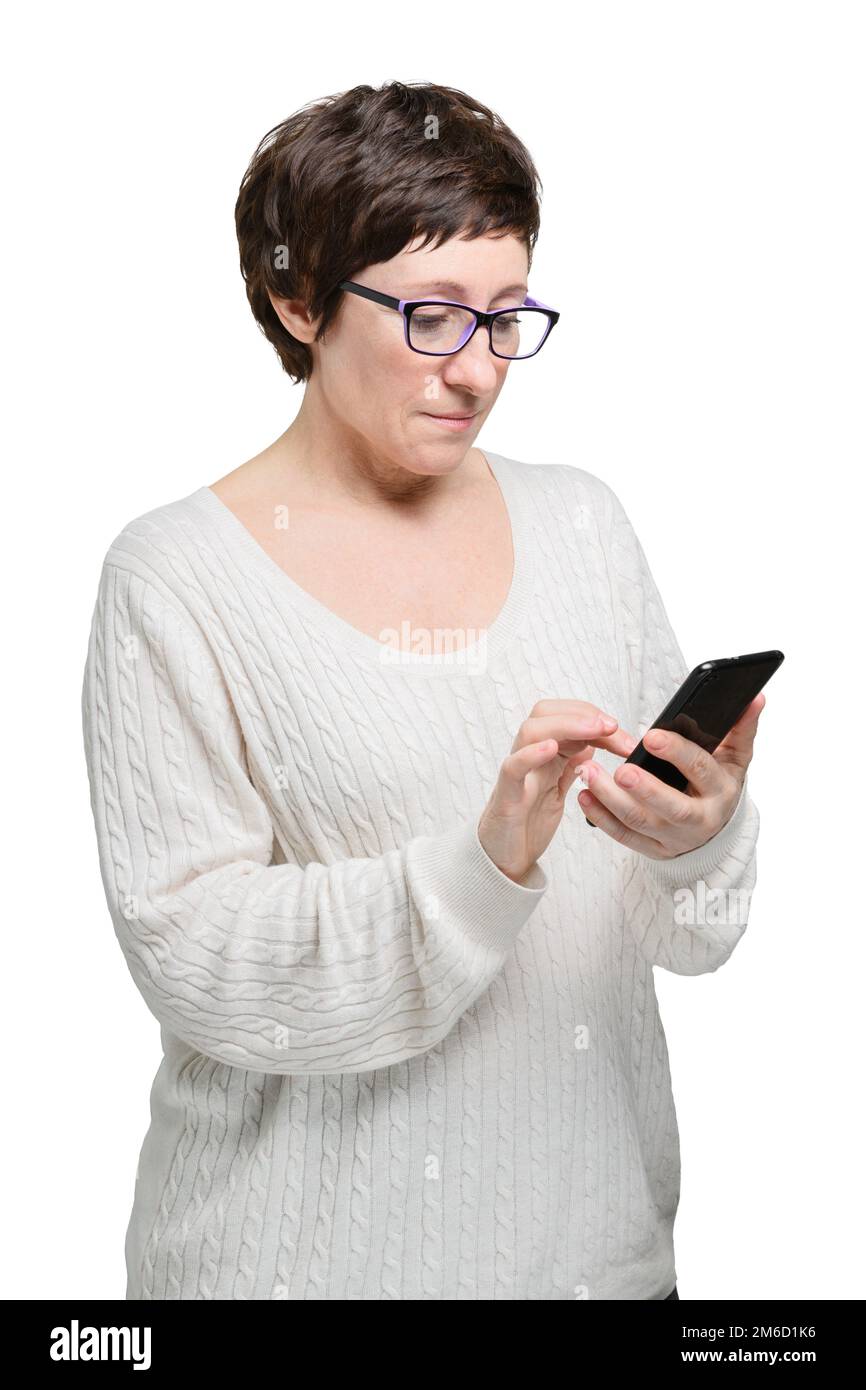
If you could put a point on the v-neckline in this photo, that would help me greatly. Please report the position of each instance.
(472, 658)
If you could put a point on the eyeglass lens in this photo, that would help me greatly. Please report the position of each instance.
(442, 327)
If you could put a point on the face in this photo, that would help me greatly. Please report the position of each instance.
(374, 398)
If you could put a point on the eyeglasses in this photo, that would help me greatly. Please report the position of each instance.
(441, 327)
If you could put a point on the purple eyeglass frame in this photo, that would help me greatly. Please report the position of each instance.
(482, 319)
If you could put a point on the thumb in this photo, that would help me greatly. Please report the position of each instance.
(737, 746)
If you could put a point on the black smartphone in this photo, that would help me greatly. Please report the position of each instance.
(706, 707)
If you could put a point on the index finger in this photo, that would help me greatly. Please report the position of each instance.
(621, 742)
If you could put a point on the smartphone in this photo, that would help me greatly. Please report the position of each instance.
(706, 707)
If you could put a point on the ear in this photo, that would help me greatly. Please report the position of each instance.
(294, 317)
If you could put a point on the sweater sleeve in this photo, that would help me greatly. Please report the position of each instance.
(275, 967)
(689, 912)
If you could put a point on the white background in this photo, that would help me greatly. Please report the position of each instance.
(703, 235)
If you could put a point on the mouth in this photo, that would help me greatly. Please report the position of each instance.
(453, 421)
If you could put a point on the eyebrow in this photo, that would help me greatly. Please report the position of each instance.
(452, 287)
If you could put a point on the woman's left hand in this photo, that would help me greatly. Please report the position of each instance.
(657, 820)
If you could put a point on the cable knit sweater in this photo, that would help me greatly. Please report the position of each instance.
(389, 1071)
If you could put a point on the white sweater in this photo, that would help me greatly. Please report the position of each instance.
(389, 1071)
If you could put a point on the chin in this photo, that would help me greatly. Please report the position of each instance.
(435, 467)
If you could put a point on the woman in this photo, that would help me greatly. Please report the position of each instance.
(333, 706)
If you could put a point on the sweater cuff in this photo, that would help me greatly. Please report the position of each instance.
(472, 891)
(696, 864)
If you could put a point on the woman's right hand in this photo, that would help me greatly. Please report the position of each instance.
(527, 803)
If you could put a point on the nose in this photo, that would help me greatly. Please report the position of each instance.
(474, 367)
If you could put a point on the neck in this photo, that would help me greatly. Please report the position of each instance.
(335, 465)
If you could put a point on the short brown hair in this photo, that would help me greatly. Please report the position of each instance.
(350, 180)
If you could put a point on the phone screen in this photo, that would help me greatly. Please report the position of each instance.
(717, 704)
(707, 706)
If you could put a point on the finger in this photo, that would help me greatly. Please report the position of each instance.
(632, 739)
(564, 727)
(634, 813)
(517, 766)
(605, 820)
(697, 765)
(623, 743)
(620, 742)
(738, 744)
(668, 805)
(568, 777)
